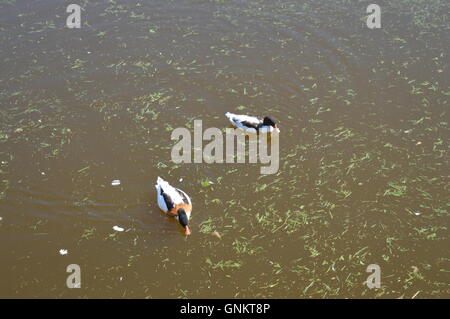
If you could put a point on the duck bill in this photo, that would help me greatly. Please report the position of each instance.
(187, 231)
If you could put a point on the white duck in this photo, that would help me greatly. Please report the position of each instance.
(253, 124)
(174, 202)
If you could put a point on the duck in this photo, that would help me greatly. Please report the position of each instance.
(252, 124)
(174, 202)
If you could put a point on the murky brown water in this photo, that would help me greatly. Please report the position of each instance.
(364, 160)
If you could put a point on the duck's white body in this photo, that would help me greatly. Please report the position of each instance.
(249, 124)
(169, 198)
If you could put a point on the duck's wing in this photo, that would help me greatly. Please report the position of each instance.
(167, 195)
(164, 201)
(244, 122)
(185, 197)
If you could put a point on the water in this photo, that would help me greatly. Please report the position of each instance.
(363, 175)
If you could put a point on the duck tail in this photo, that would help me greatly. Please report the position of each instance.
(159, 182)
(229, 115)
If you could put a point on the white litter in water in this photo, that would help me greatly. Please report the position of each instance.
(181, 179)
(417, 213)
(63, 252)
(115, 182)
(117, 228)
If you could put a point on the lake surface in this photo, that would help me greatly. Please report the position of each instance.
(364, 163)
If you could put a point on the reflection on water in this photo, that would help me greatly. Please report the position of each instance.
(363, 152)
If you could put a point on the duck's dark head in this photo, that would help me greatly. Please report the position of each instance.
(183, 219)
(268, 121)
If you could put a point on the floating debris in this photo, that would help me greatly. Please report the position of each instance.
(117, 228)
(216, 234)
(63, 252)
(417, 213)
(115, 182)
(206, 183)
(415, 295)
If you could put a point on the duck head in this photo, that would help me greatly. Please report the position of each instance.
(268, 121)
(183, 219)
